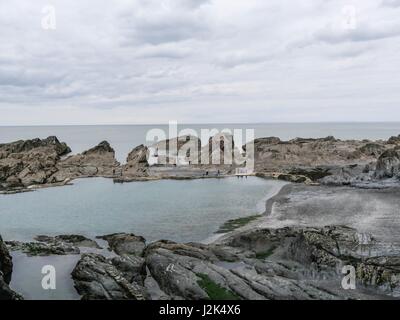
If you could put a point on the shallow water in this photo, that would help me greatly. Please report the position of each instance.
(189, 210)
(183, 211)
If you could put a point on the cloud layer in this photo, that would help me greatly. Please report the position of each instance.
(150, 61)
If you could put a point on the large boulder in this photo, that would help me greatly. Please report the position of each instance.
(124, 243)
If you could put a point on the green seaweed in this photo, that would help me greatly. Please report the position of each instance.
(214, 290)
(234, 224)
(265, 254)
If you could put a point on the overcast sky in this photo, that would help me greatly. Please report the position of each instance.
(199, 61)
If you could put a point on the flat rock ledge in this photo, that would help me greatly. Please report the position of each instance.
(58, 245)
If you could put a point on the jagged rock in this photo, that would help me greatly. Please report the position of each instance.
(382, 272)
(29, 162)
(394, 140)
(388, 164)
(281, 263)
(372, 149)
(124, 243)
(96, 278)
(5, 261)
(23, 146)
(97, 161)
(102, 148)
(317, 158)
(132, 267)
(136, 162)
(6, 266)
(195, 273)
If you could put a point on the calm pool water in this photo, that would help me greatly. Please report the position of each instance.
(189, 210)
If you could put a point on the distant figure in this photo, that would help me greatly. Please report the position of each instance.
(206, 173)
(113, 172)
(218, 172)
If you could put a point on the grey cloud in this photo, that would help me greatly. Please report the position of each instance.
(209, 60)
(359, 34)
(391, 3)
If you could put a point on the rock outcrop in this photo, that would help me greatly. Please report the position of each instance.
(96, 162)
(6, 267)
(96, 278)
(41, 163)
(284, 263)
(394, 140)
(136, 163)
(30, 162)
(388, 165)
(328, 161)
(123, 243)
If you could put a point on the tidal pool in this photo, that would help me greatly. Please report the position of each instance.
(182, 211)
(188, 210)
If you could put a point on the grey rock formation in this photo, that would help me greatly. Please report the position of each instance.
(394, 140)
(136, 163)
(30, 162)
(6, 267)
(125, 244)
(43, 248)
(98, 161)
(283, 263)
(388, 164)
(96, 278)
(73, 239)
(58, 245)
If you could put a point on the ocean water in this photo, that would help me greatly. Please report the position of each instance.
(178, 210)
(124, 138)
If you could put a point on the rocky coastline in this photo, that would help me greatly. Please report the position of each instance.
(37, 163)
(330, 216)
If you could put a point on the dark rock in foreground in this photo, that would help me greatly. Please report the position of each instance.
(96, 278)
(284, 263)
(5, 274)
